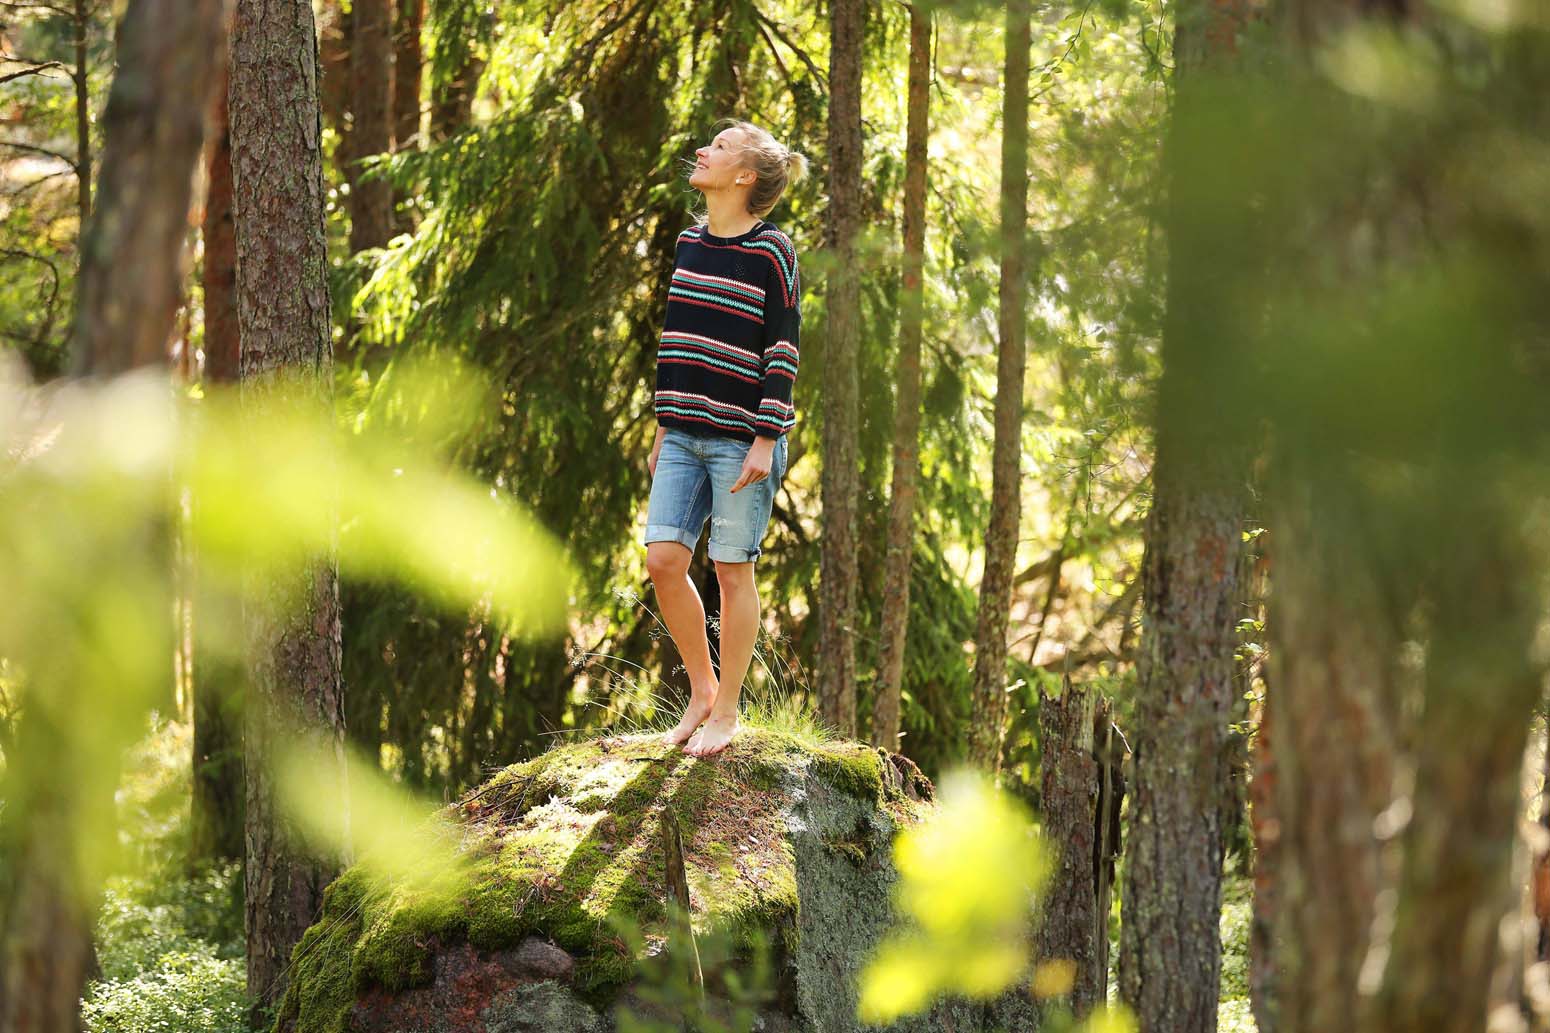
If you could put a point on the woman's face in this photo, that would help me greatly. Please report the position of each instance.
(717, 167)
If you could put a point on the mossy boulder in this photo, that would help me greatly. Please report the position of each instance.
(786, 843)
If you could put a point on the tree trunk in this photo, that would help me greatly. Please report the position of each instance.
(215, 814)
(1481, 688)
(1332, 695)
(130, 280)
(995, 606)
(408, 67)
(334, 80)
(407, 73)
(838, 577)
(1170, 943)
(1073, 928)
(81, 82)
(155, 125)
(282, 304)
(1170, 948)
(371, 127)
(906, 427)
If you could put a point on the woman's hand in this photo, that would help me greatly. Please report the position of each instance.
(756, 465)
(656, 450)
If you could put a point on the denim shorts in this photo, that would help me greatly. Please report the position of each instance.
(692, 484)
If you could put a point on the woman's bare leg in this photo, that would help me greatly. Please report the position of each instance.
(739, 630)
(684, 614)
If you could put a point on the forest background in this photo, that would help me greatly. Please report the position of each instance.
(504, 186)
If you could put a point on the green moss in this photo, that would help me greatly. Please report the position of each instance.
(852, 768)
(322, 985)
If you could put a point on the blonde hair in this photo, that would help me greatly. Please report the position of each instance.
(775, 166)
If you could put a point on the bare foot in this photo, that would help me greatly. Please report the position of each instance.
(698, 709)
(714, 735)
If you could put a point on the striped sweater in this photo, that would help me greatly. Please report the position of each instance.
(727, 360)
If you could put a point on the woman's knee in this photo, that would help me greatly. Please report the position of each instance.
(734, 577)
(667, 560)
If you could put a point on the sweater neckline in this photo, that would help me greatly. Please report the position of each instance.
(710, 238)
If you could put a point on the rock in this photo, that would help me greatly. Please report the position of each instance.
(561, 927)
(470, 989)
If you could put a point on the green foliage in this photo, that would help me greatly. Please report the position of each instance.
(959, 931)
(39, 212)
(184, 992)
(1237, 918)
(169, 942)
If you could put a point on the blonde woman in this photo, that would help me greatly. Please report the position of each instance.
(726, 366)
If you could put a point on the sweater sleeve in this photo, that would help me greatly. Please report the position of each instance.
(782, 328)
(661, 375)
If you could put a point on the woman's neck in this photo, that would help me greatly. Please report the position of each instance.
(728, 217)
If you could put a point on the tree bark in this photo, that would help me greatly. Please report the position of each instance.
(408, 71)
(215, 813)
(1170, 943)
(995, 606)
(906, 427)
(282, 305)
(371, 127)
(838, 573)
(155, 126)
(1481, 689)
(1170, 947)
(81, 82)
(1332, 695)
(1072, 928)
(1264, 978)
(334, 78)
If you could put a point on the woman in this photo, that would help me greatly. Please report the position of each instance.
(726, 365)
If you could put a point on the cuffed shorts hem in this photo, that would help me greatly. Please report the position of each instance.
(669, 533)
(720, 553)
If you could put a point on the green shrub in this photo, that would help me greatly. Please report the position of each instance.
(184, 992)
(1233, 1014)
(169, 943)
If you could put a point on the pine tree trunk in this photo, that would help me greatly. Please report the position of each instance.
(334, 80)
(282, 303)
(1482, 684)
(371, 127)
(155, 125)
(215, 814)
(906, 426)
(995, 606)
(838, 574)
(81, 81)
(1170, 944)
(1264, 977)
(1331, 695)
(1073, 928)
(1170, 948)
(408, 71)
